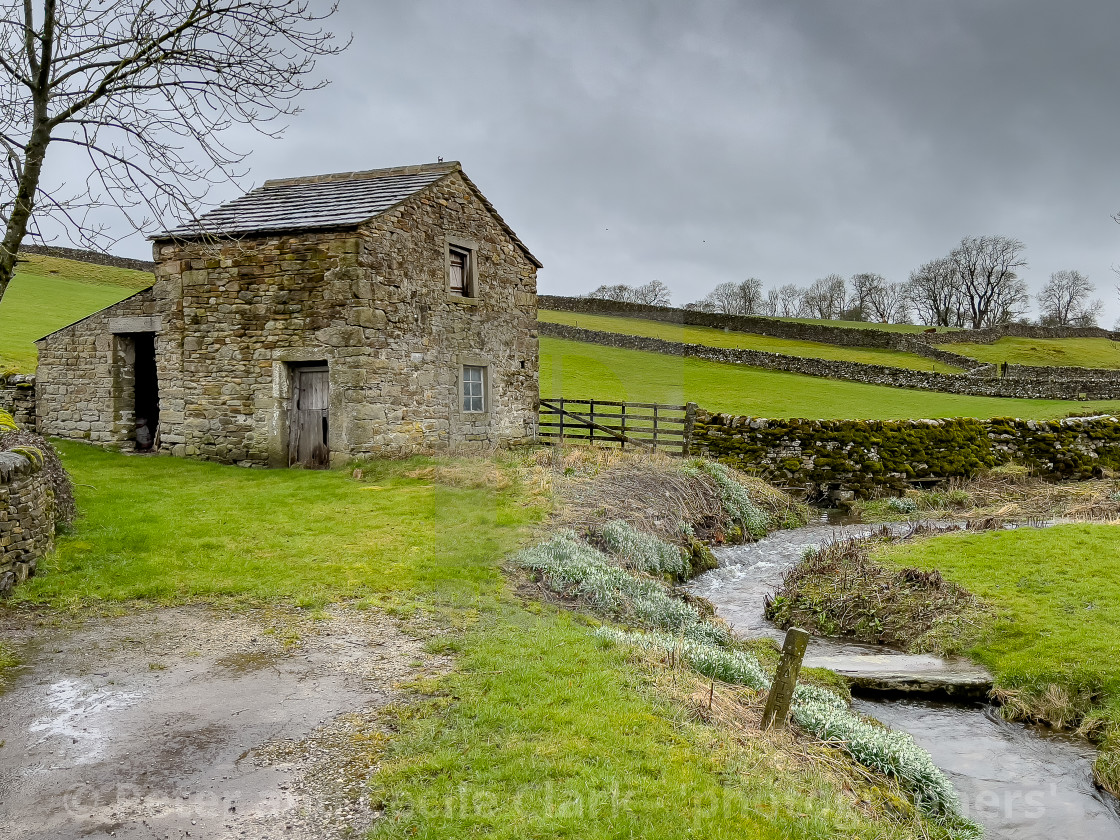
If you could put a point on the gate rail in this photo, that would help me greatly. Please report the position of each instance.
(610, 423)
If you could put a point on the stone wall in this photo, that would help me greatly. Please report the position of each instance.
(87, 256)
(1056, 388)
(990, 335)
(78, 390)
(921, 343)
(27, 516)
(839, 459)
(232, 319)
(774, 327)
(17, 398)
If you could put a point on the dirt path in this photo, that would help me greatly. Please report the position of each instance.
(190, 722)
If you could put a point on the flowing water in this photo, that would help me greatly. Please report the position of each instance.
(1019, 782)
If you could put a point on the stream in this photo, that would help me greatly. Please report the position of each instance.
(1020, 782)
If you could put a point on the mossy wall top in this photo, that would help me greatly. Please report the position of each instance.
(833, 458)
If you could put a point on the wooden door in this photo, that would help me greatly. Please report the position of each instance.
(309, 424)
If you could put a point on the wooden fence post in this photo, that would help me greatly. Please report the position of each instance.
(785, 679)
(689, 426)
(591, 429)
(623, 425)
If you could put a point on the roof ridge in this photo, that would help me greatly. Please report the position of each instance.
(444, 167)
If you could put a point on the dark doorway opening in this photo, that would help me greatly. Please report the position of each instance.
(309, 417)
(146, 392)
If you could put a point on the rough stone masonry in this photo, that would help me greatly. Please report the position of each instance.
(27, 516)
(347, 272)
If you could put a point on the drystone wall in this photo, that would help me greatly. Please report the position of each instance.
(27, 513)
(839, 459)
(921, 343)
(1057, 388)
(17, 398)
(83, 255)
(989, 335)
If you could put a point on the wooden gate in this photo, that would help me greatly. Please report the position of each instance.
(309, 425)
(651, 425)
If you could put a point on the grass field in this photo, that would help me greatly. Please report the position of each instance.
(584, 371)
(866, 325)
(1057, 596)
(711, 337)
(1068, 352)
(539, 731)
(48, 293)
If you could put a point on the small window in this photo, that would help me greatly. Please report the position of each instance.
(474, 389)
(460, 271)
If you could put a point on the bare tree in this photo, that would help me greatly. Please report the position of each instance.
(619, 292)
(934, 292)
(1064, 301)
(744, 298)
(791, 301)
(653, 293)
(827, 298)
(889, 303)
(145, 89)
(773, 304)
(865, 286)
(723, 298)
(987, 271)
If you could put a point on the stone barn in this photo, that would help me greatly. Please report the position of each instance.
(382, 313)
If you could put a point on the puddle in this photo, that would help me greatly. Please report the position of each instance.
(137, 725)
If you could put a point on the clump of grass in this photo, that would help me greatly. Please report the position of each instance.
(640, 551)
(1008, 491)
(576, 570)
(839, 590)
(738, 505)
(902, 505)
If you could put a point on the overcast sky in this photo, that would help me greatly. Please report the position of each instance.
(707, 141)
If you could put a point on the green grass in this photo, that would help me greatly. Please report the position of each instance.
(866, 325)
(1061, 352)
(711, 337)
(1057, 590)
(584, 371)
(1056, 594)
(167, 530)
(539, 731)
(83, 272)
(48, 293)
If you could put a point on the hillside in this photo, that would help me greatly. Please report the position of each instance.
(1064, 352)
(583, 371)
(712, 337)
(48, 293)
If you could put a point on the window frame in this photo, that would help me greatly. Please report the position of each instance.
(469, 250)
(484, 387)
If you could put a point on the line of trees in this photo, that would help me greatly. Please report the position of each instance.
(977, 284)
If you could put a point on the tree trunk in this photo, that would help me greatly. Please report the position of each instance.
(24, 205)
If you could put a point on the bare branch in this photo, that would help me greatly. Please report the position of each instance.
(147, 88)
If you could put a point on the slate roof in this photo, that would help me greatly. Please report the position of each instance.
(323, 202)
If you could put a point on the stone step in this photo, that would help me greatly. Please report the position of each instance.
(907, 674)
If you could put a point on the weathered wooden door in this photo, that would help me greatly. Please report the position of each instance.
(310, 418)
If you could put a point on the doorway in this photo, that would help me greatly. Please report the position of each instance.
(309, 417)
(136, 391)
